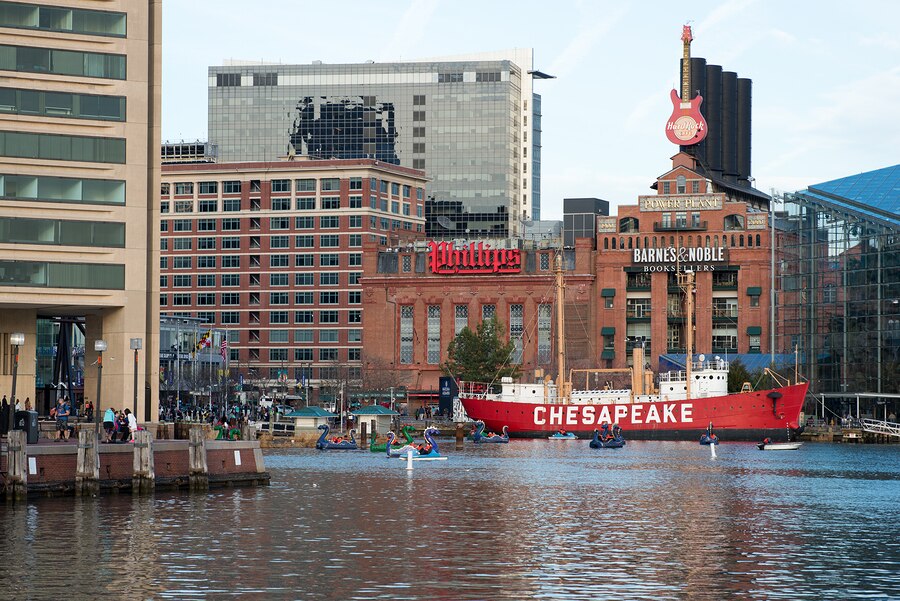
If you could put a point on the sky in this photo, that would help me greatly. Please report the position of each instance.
(826, 75)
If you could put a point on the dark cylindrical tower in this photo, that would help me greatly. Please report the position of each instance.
(712, 103)
(698, 86)
(744, 90)
(729, 125)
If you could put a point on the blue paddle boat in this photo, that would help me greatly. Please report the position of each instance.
(323, 444)
(478, 437)
(709, 437)
(608, 439)
(562, 435)
(420, 451)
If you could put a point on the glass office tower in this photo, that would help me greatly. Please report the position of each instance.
(471, 123)
(839, 270)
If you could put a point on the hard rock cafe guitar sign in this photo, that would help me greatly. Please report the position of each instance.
(686, 126)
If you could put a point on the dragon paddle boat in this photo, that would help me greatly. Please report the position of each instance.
(479, 438)
(324, 444)
(709, 437)
(562, 435)
(607, 438)
(406, 431)
(428, 450)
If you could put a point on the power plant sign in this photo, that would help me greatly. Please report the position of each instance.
(686, 126)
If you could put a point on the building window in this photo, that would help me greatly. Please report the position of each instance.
(331, 202)
(328, 317)
(330, 260)
(305, 223)
(354, 297)
(279, 223)
(355, 203)
(329, 279)
(281, 204)
(303, 279)
(434, 334)
(544, 347)
(329, 298)
(279, 261)
(406, 335)
(301, 317)
(306, 204)
(278, 280)
(354, 316)
(461, 318)
(231, 205)
(680, 184)
(516, 329)
(488, 312)
(303, 260)
(666, 187)
(231, 224)
(304, 241)
(31, 59)
(329, 222)
(354, 260)
(331, 184)
(231, 280)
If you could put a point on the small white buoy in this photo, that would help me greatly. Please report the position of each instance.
(409, 462)
(712, 451)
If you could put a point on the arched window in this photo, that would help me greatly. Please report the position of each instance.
(757, 239)
(646, 242)
(732, 240)
(630, 244)
(605, 243)
(741, 240)
(614, 244)
(724, 240)
(707, 241)
(715, 240)
(750, 240)
(734, 222)
(690, 241)
(680, 184)
(629, 225)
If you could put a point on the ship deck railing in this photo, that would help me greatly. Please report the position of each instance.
(681, 375)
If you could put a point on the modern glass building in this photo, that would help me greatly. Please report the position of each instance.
(472, 123)
(839, 272)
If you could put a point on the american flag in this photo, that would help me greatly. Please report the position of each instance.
(223, 348)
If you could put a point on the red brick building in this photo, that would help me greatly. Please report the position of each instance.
(272, 252)
(621, 286)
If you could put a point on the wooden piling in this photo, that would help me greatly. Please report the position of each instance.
(87, 467)
(362, 433)
(143, 480)
(198, 474)
(460, 436)
(17, 466)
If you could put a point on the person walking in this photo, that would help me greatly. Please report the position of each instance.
(132, 424)
(63, 409)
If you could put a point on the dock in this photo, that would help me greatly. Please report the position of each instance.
(87, 467)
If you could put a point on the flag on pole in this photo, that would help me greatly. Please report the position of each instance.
(223, 348)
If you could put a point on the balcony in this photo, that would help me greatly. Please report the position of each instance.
(680, 227)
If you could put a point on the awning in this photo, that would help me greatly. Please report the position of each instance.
(754, 291)
(608, 355)
(754, 330)
(608, 331)
(608, 292)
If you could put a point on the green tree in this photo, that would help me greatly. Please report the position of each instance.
(480, 356)
(738, 374)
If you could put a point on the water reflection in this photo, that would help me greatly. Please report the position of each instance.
(528, 520)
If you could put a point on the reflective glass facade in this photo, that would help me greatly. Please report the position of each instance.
(839, 274)
(472, 125)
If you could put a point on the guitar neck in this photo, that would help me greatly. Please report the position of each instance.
(686, 73)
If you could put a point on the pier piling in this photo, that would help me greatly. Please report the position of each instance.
(143, 481)
(17, 467)
(198, 474)
(87, 466)
(460, 437)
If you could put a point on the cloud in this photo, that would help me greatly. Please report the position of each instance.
(882, 41)
(580, 46)
(410, 29)
(724, 12)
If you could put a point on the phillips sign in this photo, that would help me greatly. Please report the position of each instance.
(472, 258)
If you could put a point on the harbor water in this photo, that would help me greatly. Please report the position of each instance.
(533, 519)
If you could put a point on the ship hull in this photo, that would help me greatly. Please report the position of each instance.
(742, 416)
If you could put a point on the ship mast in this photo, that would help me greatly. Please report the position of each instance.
(561, 380)
(686, 283)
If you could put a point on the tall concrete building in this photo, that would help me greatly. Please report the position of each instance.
(472, 123)
(79, 179)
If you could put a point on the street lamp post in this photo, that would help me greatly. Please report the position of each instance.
(99, 346)
(136, 345)
(17, 340)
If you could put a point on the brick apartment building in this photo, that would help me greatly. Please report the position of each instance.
(272, 253)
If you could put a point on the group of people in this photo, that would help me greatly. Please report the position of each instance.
(119, 426)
